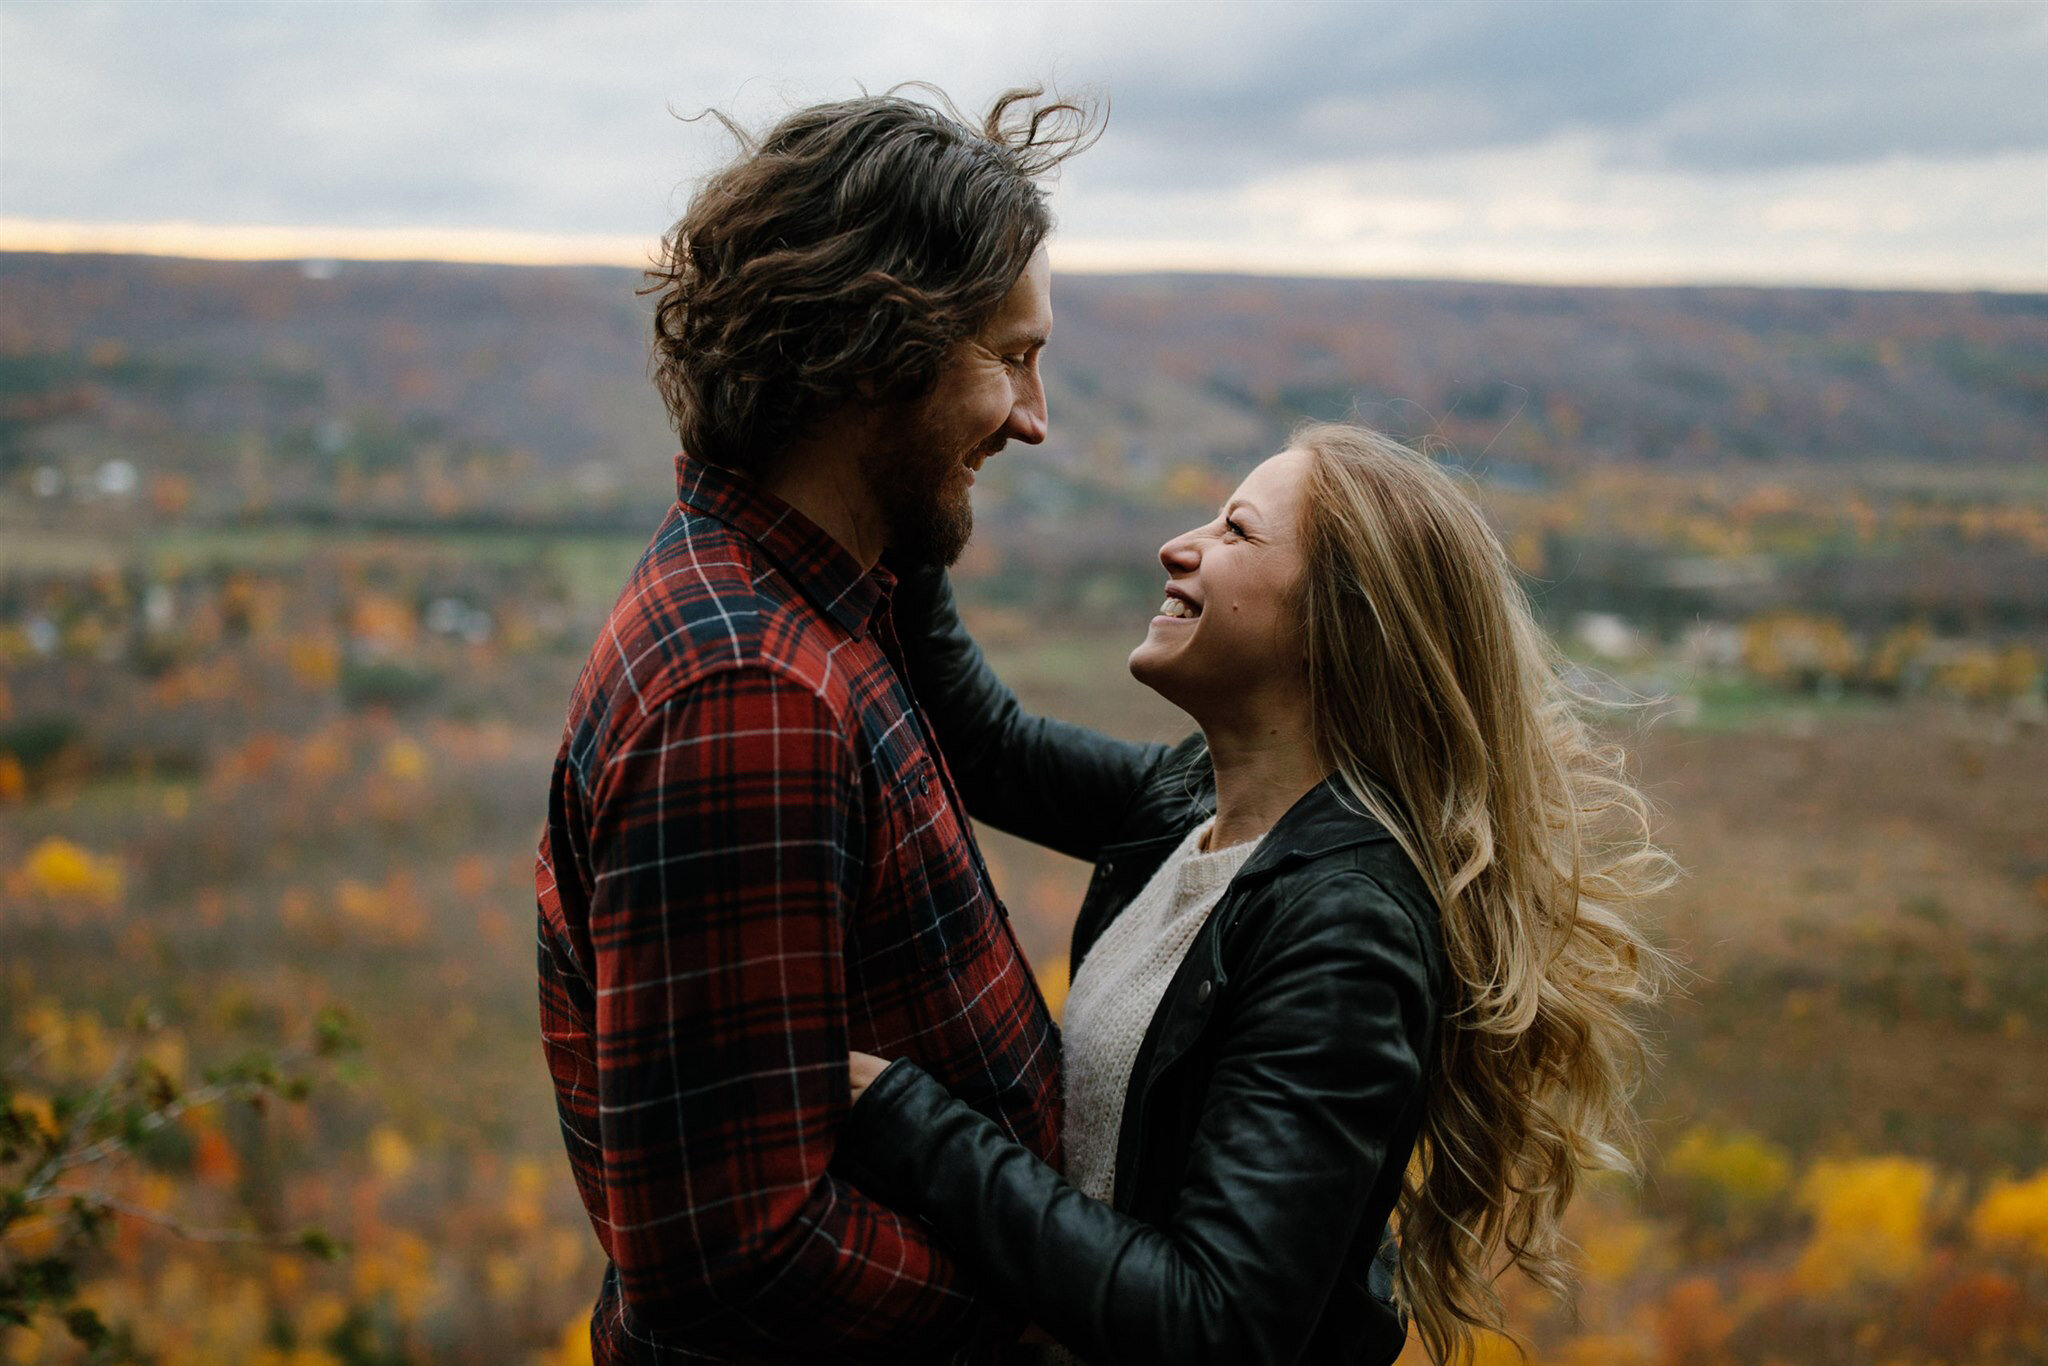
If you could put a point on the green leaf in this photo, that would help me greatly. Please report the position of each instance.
(317, 1243)
(134, 1124)
(47, 1278)
(85, 1325)
(91, 1221)
(335, 1032)
(158, 1090)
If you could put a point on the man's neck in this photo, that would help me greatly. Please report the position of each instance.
(1263, 766)
(820, 476)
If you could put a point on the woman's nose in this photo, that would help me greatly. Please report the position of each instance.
(1179, 555)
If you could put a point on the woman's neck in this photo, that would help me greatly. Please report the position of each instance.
(1263, 767)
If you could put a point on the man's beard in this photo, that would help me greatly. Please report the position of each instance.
(926, 514)
(924, 529)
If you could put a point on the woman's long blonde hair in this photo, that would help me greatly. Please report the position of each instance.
(1443, 706)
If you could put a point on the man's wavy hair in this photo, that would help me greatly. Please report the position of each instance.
(841, 256)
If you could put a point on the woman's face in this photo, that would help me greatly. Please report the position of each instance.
(1226, 643)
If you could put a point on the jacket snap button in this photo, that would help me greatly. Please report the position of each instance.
(1202, 993)
(1108, 868)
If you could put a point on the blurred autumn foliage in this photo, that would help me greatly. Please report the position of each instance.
(96, 1129)
(285, 639)
(223, 808)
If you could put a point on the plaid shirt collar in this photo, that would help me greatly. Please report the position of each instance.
(818, 565)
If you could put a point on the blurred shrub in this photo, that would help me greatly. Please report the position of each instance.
(386, 683)
(85, 1109)
(40, 741)
(1726, 1182)
(1869, 1221)
(2014, 1212)
(59, 870)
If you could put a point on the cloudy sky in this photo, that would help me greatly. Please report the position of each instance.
(1839, 143)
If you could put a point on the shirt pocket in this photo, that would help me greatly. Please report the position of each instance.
(957, 916)
(945, 911)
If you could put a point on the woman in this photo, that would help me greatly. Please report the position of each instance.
(1378, 910)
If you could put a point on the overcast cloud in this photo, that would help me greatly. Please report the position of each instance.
(1856, 143)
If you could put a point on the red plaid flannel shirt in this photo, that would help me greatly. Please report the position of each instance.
(755, 861)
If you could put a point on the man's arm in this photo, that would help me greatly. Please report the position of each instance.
(727, 841)
(1048, 781)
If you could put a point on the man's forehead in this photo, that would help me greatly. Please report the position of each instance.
(1026, 311)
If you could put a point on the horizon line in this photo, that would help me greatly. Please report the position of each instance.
(512, 247)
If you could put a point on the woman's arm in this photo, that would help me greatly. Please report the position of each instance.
(1051, 782)
(1317, 1072)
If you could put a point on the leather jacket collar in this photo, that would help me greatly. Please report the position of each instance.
(1325, 820)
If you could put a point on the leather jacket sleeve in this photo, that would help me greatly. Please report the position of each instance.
(1318, 1059)
(1048, 781)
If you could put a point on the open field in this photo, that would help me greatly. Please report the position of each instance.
(259, 817)
(296, 571)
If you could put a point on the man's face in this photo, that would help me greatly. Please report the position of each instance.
(987, 393)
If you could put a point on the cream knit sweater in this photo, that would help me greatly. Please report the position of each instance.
(1118, 989)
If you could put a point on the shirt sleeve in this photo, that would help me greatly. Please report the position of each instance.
(726, 853)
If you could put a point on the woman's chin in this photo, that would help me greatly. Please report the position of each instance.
(1149, 667)
(1143, 661)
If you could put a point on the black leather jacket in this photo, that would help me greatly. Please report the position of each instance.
(1274, 1102)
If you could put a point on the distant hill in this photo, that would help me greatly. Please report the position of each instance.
(1147, 373)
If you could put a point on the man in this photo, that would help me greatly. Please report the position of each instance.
(755, 860)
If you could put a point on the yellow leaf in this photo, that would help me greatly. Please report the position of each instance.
(573, 1349)
(1869, 1221)
(390, 1155)
(64, 871)
(1053, 983)
(405, 761)
(504, 1277)
(2014, 1212)
(25, 1345)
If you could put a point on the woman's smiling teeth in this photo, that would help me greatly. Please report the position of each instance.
(1179, 607)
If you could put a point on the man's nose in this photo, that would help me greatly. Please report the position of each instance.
(1027, 415)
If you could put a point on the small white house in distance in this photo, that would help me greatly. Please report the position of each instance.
(1606, 635)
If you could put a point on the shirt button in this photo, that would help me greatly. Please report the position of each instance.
(1203, 992)
(1108, 868)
